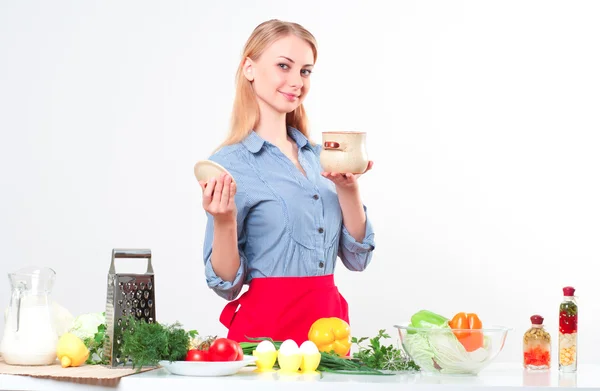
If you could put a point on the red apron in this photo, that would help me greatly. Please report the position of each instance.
(283, 308)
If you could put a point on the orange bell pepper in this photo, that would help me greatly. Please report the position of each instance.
(461, 324)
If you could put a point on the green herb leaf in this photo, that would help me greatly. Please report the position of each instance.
(354, 340)
(149, 343)
(382, 357)
(95, 345)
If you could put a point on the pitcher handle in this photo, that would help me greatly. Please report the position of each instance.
(16, 297)
(131, 253)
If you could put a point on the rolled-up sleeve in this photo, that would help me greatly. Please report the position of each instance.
(355, 255)
(228, 290)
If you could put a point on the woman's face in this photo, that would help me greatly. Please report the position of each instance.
(281, 75)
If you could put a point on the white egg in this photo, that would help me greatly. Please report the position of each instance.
(265, 346)
(308, 347)
(289, 346)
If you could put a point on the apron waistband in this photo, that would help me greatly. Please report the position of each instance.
(274, 284)
(303, 283)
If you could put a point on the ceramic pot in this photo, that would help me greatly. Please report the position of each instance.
(344, 152)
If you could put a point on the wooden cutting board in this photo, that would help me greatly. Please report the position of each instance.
(86, 374)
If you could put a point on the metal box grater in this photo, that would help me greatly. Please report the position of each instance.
(127, 294)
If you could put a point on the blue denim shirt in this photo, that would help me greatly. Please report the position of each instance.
(288, 224)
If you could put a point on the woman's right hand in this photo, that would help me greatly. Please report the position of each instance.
(218, 198)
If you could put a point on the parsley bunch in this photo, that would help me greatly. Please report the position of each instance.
(379, 356)
(95, 345)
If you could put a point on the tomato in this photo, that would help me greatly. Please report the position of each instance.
(223, 349)
(197, 355)
(240, 356)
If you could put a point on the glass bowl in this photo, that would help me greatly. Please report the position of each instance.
(439, 351)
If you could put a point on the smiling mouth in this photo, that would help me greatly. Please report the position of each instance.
(290, 97)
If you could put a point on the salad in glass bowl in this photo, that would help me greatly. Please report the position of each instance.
(460, 345)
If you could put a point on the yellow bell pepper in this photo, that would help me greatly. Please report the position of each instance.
(71, 351)
(331, 334)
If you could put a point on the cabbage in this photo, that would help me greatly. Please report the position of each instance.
(418, 347)
(86, 325)
(63, 319)
(441, 351)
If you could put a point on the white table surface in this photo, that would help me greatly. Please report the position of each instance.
(496, 376)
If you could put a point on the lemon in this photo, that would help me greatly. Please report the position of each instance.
(71, 351)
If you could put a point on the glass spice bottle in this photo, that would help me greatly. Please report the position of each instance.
(537, 345)
(567, 331)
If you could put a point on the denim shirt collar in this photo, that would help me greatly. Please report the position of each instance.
(254, 143)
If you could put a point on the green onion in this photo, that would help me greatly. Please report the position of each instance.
(331, 363)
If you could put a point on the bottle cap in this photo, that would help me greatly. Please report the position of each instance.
(569, 291)
(537, 319)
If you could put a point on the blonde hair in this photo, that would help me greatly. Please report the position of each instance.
(245, 114)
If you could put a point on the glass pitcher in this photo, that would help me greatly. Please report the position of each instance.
(29, 335)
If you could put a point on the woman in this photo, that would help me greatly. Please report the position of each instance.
(280, 224)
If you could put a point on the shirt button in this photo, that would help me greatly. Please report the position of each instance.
(316, 196)
(321, 264)
(321, 230)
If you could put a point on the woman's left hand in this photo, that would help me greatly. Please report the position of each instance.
(345, 181)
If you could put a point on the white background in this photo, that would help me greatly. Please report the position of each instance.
(482, 121)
